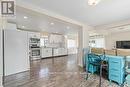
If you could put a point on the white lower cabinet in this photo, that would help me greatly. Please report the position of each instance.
(46, 52)
(60, 51)
(55, 52)
(50, 52)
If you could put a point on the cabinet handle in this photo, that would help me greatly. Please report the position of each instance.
(114, 75)
(115, 69)
(114, 62)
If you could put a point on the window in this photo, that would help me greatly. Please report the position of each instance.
(97, 42)
(71, 43)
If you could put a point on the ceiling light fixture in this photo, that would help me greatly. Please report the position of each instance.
(25, 17)
(93, 2)
(52, 23)
(23, 26)
(68, 27)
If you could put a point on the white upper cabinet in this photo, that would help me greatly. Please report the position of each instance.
(33, 35)
(56, 38)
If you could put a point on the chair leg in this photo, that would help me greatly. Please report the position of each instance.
(87, 71)
(100, 81)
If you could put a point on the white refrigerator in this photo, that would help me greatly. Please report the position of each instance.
(16, 52)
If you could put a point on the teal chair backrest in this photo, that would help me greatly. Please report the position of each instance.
(94, 58)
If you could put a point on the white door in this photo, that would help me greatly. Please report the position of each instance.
(16, 51)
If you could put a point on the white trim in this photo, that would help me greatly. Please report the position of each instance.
(112, 25)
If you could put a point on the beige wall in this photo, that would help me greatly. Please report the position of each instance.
(79, 59)
(85, 36)
(111, 39)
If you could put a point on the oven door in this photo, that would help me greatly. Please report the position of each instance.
(35, 52)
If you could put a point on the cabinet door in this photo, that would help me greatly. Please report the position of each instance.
(33, 35)
(56, 52)
(52, 38)
(60, 39)
(64, 51)
(46, 52)
(56, 38)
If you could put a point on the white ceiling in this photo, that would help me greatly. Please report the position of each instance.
(40, 22)
(107, 11)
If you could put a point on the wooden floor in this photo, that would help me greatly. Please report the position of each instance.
(57, 72)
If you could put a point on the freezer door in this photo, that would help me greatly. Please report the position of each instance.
(16, 51)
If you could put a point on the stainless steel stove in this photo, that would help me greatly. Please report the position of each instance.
(35, 50)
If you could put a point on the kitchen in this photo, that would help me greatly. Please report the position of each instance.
(44, 45)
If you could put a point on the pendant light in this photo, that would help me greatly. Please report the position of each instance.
(93, 2)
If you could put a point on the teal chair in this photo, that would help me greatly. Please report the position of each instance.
(96, 61)
(92, 68)
(85, 57)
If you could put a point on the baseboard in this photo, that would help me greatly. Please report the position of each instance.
(80, 68)
(18, 73)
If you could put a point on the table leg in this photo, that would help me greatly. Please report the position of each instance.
(100, 81)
